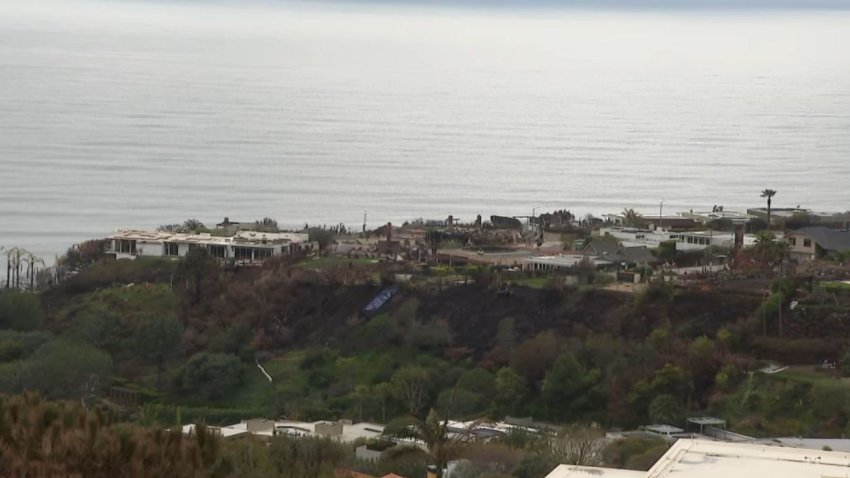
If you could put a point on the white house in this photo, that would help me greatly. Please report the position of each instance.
(243, 246)
(633, 236)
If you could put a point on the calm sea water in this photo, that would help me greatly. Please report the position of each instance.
(132, 115)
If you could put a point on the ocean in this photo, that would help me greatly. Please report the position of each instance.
(121, 114)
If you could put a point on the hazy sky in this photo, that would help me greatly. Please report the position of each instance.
(628, 4)
(520, 4)
(843, 4)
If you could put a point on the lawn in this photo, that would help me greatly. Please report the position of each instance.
(813, 375)
(533, 282)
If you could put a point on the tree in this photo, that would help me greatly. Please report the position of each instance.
(478, 380)
(98, 326)
(632, 218)
(211, 375)
(158, 338)
(574, 445)
(322, 237)
(768, 194)
(303, 457)
(266, 224)
(665, 409)
(634, 452)
(410, 384)
(383, 392)
(64, 369)
(505, 342)
(578, 445)
(510, 390)
(193, 226)
(433, 238)
(702, 362)
(534, 356)
(20, 310)
(53, 439)
(565, 388)
(196, 267)
(768, 249)
(441, 446)
(459, 402)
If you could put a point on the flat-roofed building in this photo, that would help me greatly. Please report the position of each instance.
(241, 247)
(563, 262)
(692, 458)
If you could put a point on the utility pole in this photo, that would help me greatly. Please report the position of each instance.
(661, 214)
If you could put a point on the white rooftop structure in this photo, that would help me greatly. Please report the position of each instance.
(573, 471)
(689, 458)
(665, 430)
(833, 444)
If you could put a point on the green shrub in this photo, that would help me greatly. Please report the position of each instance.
(20, 310)
(211, 375)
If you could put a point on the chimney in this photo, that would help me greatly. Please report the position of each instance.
(739, 236)
(389, 231)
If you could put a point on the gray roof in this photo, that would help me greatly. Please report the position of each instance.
(829, 239)
(610, 249)
(602, 246)
(638, 255)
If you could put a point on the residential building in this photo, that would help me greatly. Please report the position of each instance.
(637, 236)
(342, 430)
(783, 216)
(701, 240)
(697, 458)
(778, 215)
(241, 247)
(563, 262)
(815, 242)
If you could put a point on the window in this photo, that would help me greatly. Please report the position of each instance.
(171, 249)
(125, 246)
(262, 253)
(217, 251)
(807, 243)
(242, 253)
(792, 241)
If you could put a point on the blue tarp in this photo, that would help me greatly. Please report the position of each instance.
(379, 300)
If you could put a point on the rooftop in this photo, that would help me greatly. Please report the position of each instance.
(829, 239)
(241, 237)
(663, 429)
(690, 458)
(350, 432)
(710, 459)
(573, 471)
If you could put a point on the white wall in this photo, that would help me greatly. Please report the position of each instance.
(152, 249)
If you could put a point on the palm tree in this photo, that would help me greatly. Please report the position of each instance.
(440, 445)
(632, 218)
(768, 193)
